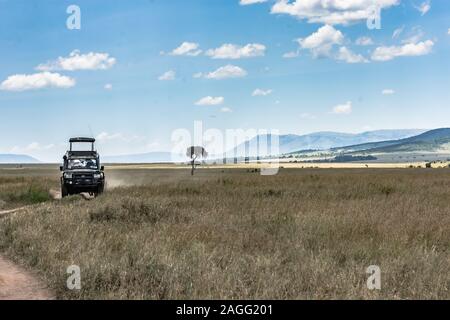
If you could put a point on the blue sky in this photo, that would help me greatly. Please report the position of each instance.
(126, 77)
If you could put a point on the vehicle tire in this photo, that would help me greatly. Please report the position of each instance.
(100, 190)
(64, 191)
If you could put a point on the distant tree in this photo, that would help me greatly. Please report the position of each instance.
(195, 152)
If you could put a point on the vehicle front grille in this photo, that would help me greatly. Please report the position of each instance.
(83, 179)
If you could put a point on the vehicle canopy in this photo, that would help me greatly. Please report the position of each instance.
(81, 156)
(82, 140)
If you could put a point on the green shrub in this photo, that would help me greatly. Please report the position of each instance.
(32, 195)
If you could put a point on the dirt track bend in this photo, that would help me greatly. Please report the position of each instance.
(16, 283)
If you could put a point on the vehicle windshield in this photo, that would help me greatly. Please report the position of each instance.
(82, 164)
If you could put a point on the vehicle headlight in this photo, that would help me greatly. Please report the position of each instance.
(67, 176)
(97, 176)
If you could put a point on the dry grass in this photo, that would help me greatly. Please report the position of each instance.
(232, 234)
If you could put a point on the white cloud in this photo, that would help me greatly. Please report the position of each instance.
(321, 42)
(414, 36)
(210, 101)
(345, 108)
(226, 110)
(105, 136)
(232, 51)
(247, 2)
(397, 32)
(364, 41)
(187, 49)
(350, 57)
(34, 146)
(291, 54)
(108, 86)
(448, 31)
(331, 11)
(387, 92)
(78, 61)
(167, 76)
(424, 7)
(22, 82)
(409, 49)
(260, 92)
(228, 71)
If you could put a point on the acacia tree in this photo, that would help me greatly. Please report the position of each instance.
(195, 152)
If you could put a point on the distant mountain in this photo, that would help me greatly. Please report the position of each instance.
(323, 140)
(17, 158)
(151, 157)
(437, 140)
(404, 139)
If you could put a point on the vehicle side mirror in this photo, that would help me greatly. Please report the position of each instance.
(102, 168)
(61, 168)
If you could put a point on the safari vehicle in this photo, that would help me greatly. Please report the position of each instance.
(81, 170)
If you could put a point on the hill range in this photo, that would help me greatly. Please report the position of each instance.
(381, 142)
(292, 143)
(17, 158)
(437, 140)
(433, 145)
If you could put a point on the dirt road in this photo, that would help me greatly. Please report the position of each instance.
(11, 211)
(18, 284)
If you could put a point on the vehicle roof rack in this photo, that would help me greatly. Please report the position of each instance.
(81, 139)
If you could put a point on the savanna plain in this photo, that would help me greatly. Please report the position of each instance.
(230, 233)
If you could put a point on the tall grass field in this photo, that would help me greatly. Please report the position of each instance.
(234, 234)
